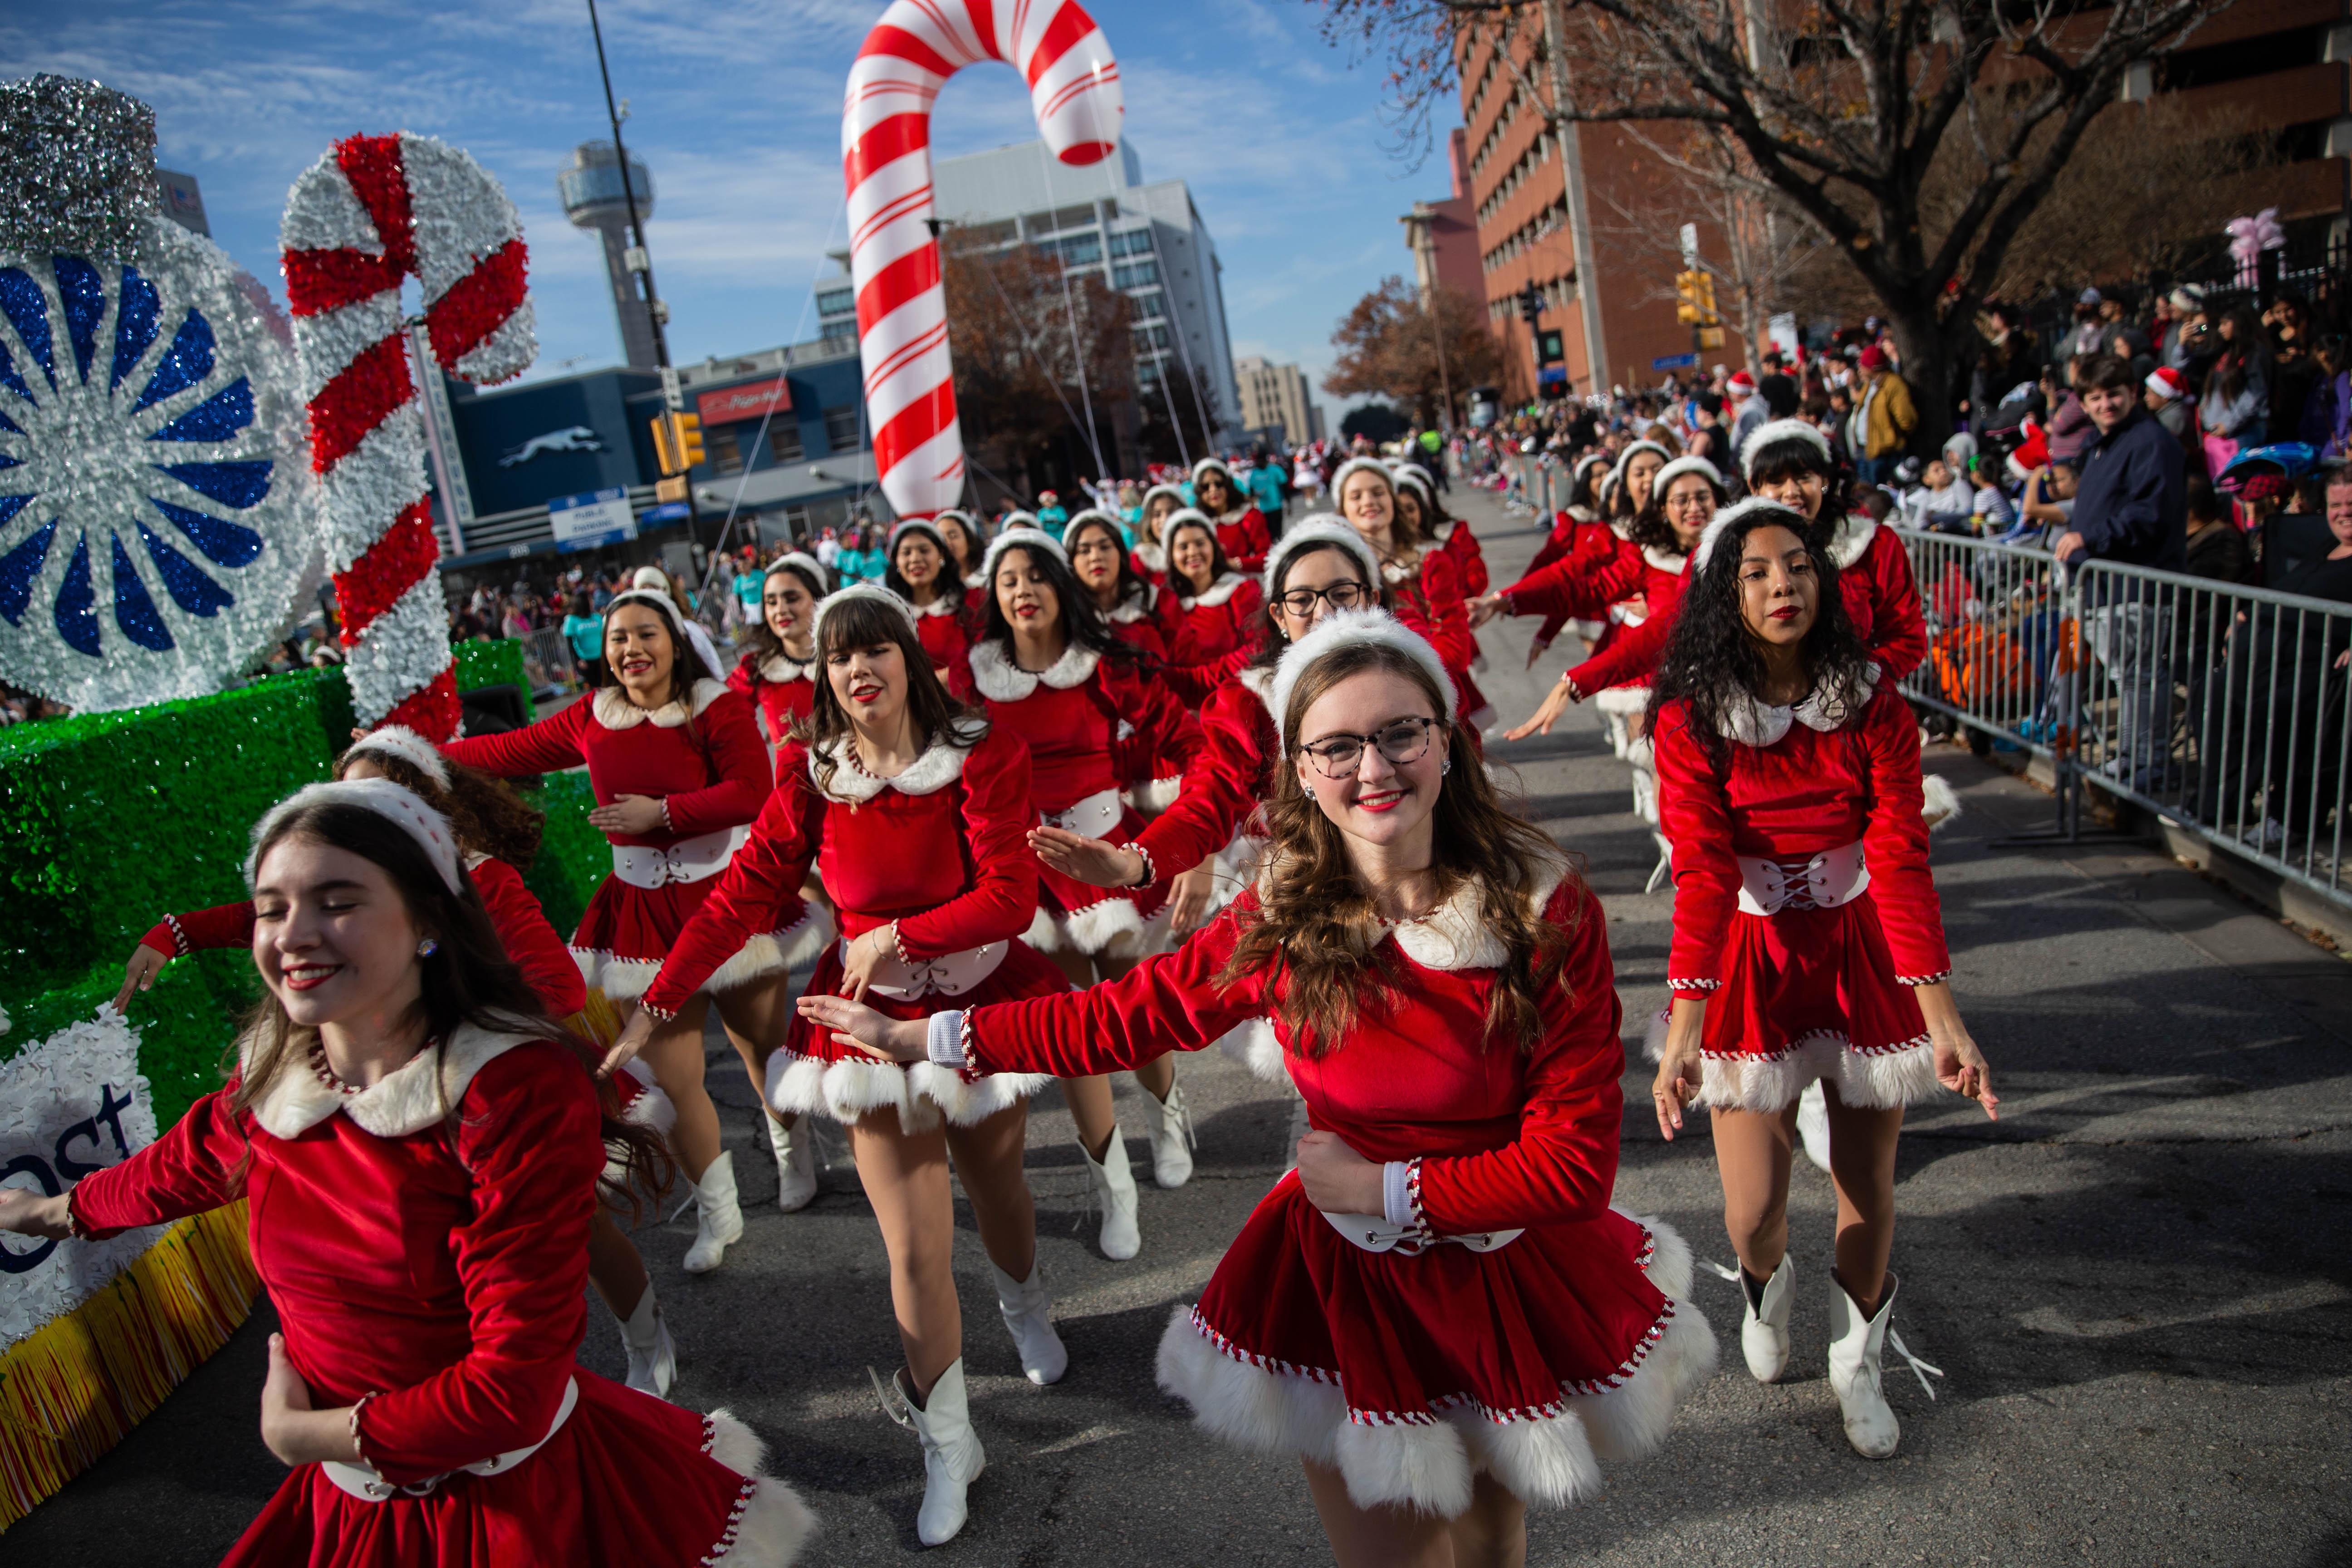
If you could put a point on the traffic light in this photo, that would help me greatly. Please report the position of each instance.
(677, 442)
(1551, 346)
(1694, 297)
(1531, 304)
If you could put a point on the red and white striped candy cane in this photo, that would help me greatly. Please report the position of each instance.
(894, 260)
(374, 210)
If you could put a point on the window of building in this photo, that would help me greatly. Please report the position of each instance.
(1074, 217)
(1081, 249)
(1130, 242)
(784, 439)
(841, 429)
(1135, 274)
(1150, 337)
(837, 303)
(719, 449)
(1144, 306)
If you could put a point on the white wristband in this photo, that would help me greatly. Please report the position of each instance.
(1396, 1202)
(944, 1043)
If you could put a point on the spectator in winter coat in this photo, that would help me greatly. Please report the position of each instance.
(2070, 428)
(2235, 406)
(1887, 419)
(2217, 547)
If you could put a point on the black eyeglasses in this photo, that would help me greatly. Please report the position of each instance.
(1344, 595)
(1400, 741)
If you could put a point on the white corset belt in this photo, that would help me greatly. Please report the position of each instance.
(1092, 817)
(362, 1481)
(1373, 1233)
(949, 975)
(1831, 877)
(687, 861)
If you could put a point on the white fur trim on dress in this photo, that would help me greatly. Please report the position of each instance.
(1752, 723)
(797, 946)
(1875, 1080)
(407, 1100)
(1344, 628)
(1136, 606)
(1151, 799)
(1851, 539)
(1001, 680)
(771, 1523)
(941, 765)
(1623, 700)
(1021, 537)
(1217, 593)
(1255, 1046)
(1322, 531)
(921, 1092)
(780, 669)
(1112, 925)
(1667, 560)
(1546, 1457)
(653, 1106)
(1772, 432)
(1941, 802)
(615, 711)
(1456, 935)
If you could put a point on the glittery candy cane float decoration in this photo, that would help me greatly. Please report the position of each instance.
(374, 210)
(894, 260)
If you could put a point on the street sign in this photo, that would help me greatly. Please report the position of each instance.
(1689, 237)
(596, 518)
(668, 512)
(1552, 345)
(1674, 361)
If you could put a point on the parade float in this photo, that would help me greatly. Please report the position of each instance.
(179, 470)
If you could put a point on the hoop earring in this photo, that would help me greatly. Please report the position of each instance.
(427, 948)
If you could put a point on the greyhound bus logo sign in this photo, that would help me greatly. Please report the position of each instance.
(578, 439)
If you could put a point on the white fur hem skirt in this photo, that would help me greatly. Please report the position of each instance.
(1254, 1047)
(797, 946)
(771, 1523)
(923, 1093)
(1869, 1080)
(1112, 926)
(1548, 1457)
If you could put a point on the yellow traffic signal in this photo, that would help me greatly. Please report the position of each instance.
(677, 442)
(1686, 296)
(1710, 337)
(689, 428)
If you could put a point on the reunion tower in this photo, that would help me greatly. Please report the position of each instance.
(590, 186)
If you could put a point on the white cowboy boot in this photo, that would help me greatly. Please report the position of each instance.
(1169, 1126)
(1813, 1124)
(1857, 1344)
(1764, 1326)
(652, 1357)
(953, 1457)
(1122, 1235)
(1027, 1307)
(718, 1220)
(795, 1148)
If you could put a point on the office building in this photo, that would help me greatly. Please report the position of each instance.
(1443, 235)
(1277, 403)
(590, 186)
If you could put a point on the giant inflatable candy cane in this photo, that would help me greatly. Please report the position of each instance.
(894, 258)
(374, 210)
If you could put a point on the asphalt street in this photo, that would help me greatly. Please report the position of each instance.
(2136, 1283)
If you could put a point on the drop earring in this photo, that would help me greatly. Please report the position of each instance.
(1445, 767)
(427, 948)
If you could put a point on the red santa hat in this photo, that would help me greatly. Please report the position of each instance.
(2167, 384)
(1741, 383)
(2032, 453)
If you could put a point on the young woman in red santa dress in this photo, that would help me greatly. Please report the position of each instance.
(967, 542)
(495, 834)
(919, 573)
(421, 1148)
(1808, 941)
(1417, 501)
(1421, 582)
(1052, 674)
(778, 671)
(1789, 461)
(913, 808)
(1125, 599)
(678, 773)
(1438, 1312)
(1240, 527)
(1160, 502)
(1210, 609)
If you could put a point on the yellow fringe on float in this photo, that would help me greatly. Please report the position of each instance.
(74, 1386)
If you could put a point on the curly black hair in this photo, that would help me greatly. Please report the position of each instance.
(1711, 662)
(1081, 621)
(1650, 526)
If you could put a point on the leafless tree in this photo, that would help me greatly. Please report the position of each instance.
(1842, 107)
(1388, 348)
(1020, 342)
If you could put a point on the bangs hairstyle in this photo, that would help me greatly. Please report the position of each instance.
(686, 665)
(1129, 582)
(1272, 642)
(915, 528)
(1081, 623)
(1315, 927)
(1791, 458)
(859, 622)
(1711, 663)
(764, 642)
(468, 979)
(1218, 565)
(485, 814)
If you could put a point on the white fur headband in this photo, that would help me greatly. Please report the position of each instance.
(1753, 505)
(394, 803)
(1361, 465)
(1677, 468)
(399, 741)
(802, 562)
(863, 591)
(1018, 538)
(1321, 530)
(1350, 629)
(1216, 465)
(902, 530)
(1618, 470)
(1772, 433)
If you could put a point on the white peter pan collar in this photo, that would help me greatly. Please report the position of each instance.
(1854, 531)
(1259, 683)
(1217, 593)
(783, 669)
(1000, 680)
(401, 1102)
(1405, 573)
(615, 711)
(1136, 606)
(942, 606)
(977, 580)
(1456, 935)
(941, 765)
(1751, 723)
(1153, 556)
(1672, 560)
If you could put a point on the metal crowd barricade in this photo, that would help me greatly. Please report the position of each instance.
(2221, 707)
(548, 663)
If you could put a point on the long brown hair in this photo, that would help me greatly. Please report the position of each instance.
(857, 622)
(468, 979)
(1316, 928)
(759, 635)
(486, 814)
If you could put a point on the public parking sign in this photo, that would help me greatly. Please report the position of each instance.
(586, 521)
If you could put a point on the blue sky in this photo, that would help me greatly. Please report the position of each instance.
(736, 106)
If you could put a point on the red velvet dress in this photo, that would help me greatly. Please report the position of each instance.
(712, 776)
(1428, 598)
(1086, 723)
(784, 689)
(1881, 597)
(939, 625)
(1243, 535)
(1798, 984)
(1588, 542)
(1201, 629)
(1469, 561)
(943, 851)
(1587, 585)
(438, 1264)
(1411, 1370)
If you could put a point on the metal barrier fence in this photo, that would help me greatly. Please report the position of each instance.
(548, 661)
(2221, 707)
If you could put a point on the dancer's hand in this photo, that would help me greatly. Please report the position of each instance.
(854, 1024)
(1484, 608)
(865, 955)
(635, 815)
(1093, 861)
(1188, 897)
(290, 1430)
(1680, 1068)
(1556, 702)
(1338, 1180)
(632, 1039)
(1536, 648)
(138, 975)
(1959, 1066)
(30, 1213)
